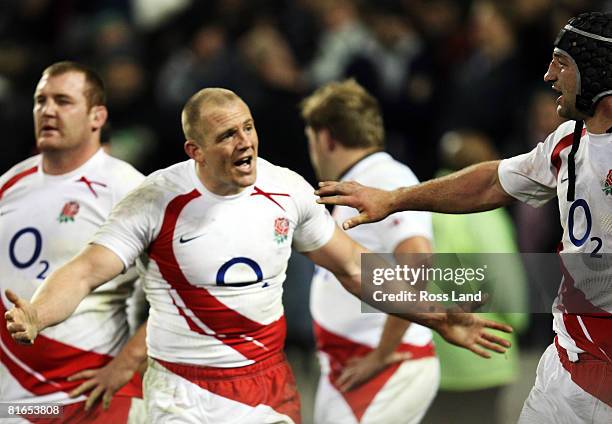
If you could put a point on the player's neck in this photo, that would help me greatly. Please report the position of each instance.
(62, 162)
(601, 122)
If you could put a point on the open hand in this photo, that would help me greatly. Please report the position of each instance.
(105, 382)
(373, 204)
(468, 330)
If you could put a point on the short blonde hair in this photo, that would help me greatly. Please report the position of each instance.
(348, 112)
(191, 116)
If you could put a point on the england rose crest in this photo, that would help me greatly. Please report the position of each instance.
(69, 212)
(281, 229)
(607, 188)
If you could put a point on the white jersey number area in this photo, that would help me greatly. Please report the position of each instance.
(24, 251)
(580, 206)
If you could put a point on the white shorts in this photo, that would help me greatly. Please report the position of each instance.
(399, 394)
(262, 393)
(555, 398)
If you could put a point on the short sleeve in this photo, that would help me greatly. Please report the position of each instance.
(131, 226)
(401, 226)
(315, 225)
(530, 177)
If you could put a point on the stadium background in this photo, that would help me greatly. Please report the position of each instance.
(435, 65)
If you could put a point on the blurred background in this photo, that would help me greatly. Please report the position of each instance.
(438, 67)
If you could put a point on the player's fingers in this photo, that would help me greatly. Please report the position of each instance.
(491, 346)
(347, 383)
(106, 399)
(327, 188)
(16, 327)
(400, 357)
(497, 326)
(93, 397)
(355, 221)
(16, 300)
(496, 339)
(334, 200)
(8, 316)
(345, 377)
(82, 374)
(22, 338)
(86, 386)
(323, 184)
(480, 352)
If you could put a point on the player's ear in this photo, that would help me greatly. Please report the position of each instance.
(98, 115)
(194, 150)
(327, 140)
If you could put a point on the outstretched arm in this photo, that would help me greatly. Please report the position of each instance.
(342, 256)
(60, 294)
(474, 189)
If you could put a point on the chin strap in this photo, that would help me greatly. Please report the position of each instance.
(571, 161)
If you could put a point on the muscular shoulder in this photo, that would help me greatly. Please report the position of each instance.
(165, 184)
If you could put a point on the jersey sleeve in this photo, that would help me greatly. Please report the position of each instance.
(401, 226)
(132, 224)
(530, 177)
(315, 225)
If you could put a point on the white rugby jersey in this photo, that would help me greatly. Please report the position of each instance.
(45, 220)
(214, 282)
(332, 307)
(542, 174)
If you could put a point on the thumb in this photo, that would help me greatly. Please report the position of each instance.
(16, 300)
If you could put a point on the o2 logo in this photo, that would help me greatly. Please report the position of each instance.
(581, 239)
(235, 261)
(30, 260)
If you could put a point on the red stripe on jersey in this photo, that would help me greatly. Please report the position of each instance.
(258, 191)
(15, 178)
(340, 349)
(555, 157)
(596, 321)
(55, 362)
(268, 382)
(252, 339)
(592, 375)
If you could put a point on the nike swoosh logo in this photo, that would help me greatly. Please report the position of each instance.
(6, 212)
(564, 179)
(187, 240)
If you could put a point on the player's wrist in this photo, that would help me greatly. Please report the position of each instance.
(434, 320)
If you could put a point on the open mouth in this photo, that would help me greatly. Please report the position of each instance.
(48, 128)
(244, 164)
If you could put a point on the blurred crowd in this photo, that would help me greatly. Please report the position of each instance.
(438, 67)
